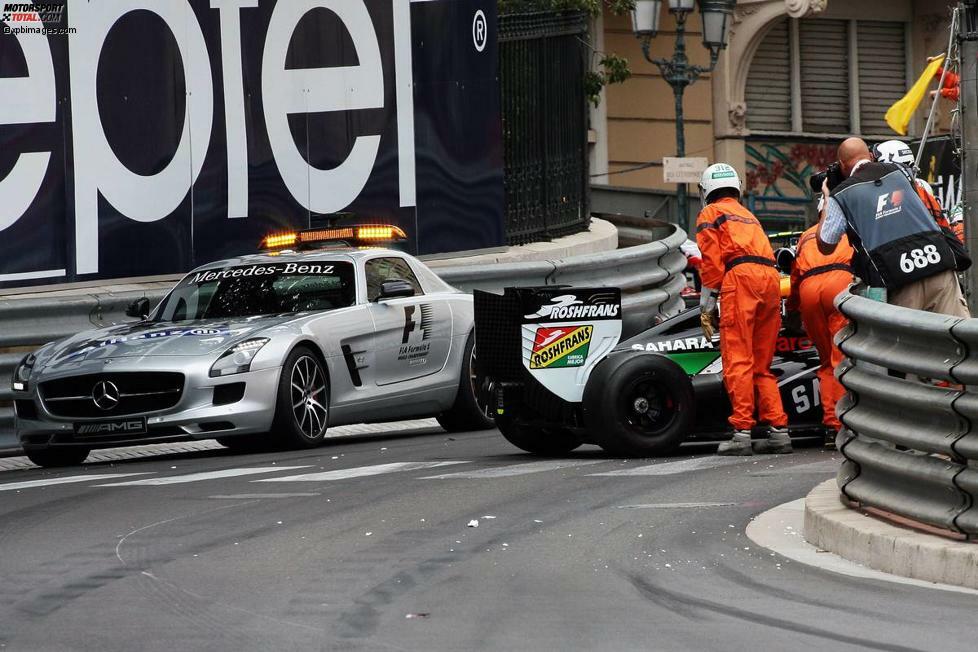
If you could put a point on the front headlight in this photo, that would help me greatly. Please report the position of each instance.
(22, 373)
(238, 358)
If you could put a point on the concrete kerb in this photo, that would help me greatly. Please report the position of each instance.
(859, 537)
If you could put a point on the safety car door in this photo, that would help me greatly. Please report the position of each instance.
(413, 334)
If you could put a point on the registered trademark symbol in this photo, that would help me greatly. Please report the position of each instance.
(480, 31)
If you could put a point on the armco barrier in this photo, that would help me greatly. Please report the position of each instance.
(910, 417)
(649, 275)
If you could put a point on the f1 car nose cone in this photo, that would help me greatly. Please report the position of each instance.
(106, 395)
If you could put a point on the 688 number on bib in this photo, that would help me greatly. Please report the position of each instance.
(919, 258)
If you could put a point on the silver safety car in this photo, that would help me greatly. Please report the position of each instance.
(269, 349)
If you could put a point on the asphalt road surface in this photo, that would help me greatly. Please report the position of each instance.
(366, 545)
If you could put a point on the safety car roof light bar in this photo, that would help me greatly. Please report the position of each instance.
(354, 236)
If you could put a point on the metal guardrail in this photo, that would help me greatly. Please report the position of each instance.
(910, 417)
(649, 275)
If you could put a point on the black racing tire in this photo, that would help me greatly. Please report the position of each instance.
(302, 405)
(466, 413)
(56, 457)
(638, 404)
(246, 443)
(549, 442)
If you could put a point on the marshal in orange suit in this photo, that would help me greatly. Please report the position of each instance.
(816, 280)
(738, 266)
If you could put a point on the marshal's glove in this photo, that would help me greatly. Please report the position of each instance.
(706, 322)
(708, 300)
(708, 303)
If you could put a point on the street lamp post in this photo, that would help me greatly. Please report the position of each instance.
(677, 71)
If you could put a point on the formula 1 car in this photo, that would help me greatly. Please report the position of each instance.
(553, 369)
(263, 349)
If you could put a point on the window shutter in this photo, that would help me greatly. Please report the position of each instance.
(882, 71)
(824, 76)
(768, 91)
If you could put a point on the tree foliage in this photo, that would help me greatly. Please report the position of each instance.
(611, 68)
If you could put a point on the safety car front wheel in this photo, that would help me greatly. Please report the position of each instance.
(539, 441)
(638, 404)
(302, 408)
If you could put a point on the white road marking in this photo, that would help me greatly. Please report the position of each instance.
(260, 496)
(67, 480)
(206, 475)
(515, 469)
(682, 466)
(360, 471)
(675, 505)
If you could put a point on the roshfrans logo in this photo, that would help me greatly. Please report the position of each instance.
(560, 347)
(568, 306)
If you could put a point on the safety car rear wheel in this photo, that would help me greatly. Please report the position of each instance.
(539, 441)
(54, 457)
(468, 412)
(302, 409)
(638, 404)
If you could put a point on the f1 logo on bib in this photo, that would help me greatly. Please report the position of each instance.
(889, 204)
(480, 31)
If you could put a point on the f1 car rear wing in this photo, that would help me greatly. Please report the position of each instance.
(556, 334)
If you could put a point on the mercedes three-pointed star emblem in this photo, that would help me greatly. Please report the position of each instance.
(106, 395)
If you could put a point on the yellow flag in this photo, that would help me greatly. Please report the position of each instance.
(898, 117)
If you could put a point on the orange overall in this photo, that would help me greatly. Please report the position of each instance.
(816, 280)
(933, 207)
(737, 259)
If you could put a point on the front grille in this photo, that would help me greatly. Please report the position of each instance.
(25, 409)
(138, 393)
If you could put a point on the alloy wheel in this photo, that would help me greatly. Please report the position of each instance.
(309, 400)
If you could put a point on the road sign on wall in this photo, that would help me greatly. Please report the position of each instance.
(683, 170)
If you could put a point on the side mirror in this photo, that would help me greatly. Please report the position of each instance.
(786, 260)
(395, 289)
(138, 309)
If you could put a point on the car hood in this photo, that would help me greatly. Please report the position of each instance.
(143, 339)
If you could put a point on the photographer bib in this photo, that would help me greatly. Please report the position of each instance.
(897, 241)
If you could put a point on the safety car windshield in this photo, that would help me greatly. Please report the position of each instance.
(263, 289)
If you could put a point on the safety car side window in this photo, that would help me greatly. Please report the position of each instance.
(379, 270)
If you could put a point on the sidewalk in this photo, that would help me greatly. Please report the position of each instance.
(859, 537)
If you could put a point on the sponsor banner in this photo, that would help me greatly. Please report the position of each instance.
(940, 167)
(565, 346)
(154, 136)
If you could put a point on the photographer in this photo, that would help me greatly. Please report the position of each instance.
(898, 245)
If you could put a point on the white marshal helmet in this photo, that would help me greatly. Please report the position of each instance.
(717, 176)
(894, 151)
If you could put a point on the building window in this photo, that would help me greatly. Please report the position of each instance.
(822, 76)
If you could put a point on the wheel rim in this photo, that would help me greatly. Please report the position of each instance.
(309, 402)
(649, 407)
(474, 384)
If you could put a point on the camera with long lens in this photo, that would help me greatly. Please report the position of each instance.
(832, 174)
